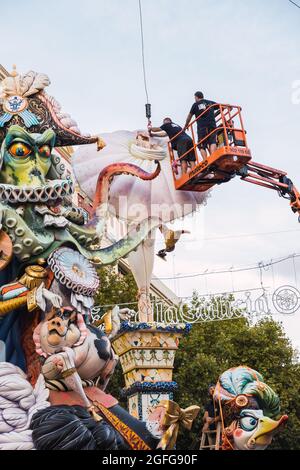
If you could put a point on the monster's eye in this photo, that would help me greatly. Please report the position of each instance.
(248, 423)
(45, 151)
(19, 150)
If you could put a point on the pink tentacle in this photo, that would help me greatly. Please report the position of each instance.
(107, 174)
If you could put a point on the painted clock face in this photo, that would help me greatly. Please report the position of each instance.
(15, 104)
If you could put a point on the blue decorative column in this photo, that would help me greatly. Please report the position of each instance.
(147, 353)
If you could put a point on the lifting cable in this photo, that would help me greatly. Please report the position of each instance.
(294, 3)
(147, 105)
(259, 265)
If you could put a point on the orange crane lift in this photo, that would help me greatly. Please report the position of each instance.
(232, 158)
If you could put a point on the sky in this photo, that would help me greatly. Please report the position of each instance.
(235, 51)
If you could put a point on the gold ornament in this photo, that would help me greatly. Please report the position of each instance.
(173, 418)
(7, 306)
(31, 300)
(241, 401)
(33, 276)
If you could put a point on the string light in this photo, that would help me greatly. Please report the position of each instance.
(259, 265)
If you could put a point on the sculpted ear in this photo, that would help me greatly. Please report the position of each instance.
(73, 316)
(82, 328)
(230, 429)
(37, 340)
(50, 314)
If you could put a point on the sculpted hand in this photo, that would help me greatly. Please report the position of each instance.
(58, 362)
(100, 143)
(117, 315)
(42, 295)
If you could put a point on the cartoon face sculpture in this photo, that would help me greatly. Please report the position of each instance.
(61, 328)
(64, 330)
(250, 407)
(26, 157)
(29, 171)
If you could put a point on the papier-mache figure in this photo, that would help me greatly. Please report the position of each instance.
(55, 364)
(250, 410)
(68, 408)
(44, 238)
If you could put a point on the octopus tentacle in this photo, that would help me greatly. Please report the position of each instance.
(108, 173)
(30, 245)
(123, 247)
(27, 241)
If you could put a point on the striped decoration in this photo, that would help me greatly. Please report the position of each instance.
(29, 118)
(60, 385)
(5, 118)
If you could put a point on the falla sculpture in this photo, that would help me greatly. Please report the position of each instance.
(55, 364)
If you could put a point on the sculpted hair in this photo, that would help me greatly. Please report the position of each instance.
(245, 381)
(72, 428)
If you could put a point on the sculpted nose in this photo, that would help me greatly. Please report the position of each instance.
(56, 322)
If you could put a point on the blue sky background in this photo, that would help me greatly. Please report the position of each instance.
(238, 51)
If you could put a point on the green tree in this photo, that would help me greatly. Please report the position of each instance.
(116, 288)
(213, 347)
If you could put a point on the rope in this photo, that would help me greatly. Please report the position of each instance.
(143, 51)
(225, 439)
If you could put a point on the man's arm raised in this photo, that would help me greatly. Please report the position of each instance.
(188, 120)
(156, 130)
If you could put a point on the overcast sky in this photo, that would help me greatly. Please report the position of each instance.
(237, 51)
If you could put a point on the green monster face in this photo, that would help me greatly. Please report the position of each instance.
(26, 158)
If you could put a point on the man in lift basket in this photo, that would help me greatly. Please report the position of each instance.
(182, 143)
(205, 124)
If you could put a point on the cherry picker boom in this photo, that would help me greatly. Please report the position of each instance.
(232, 158)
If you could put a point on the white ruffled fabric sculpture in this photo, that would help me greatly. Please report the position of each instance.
(148, 198)
(133, 200)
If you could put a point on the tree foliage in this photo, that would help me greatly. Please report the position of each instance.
(116, 288)
(211, 348)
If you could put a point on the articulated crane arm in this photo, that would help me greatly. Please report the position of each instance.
(271, 178)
